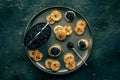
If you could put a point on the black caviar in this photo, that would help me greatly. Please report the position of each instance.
(33, 40)
(82, 44)
(69, 15)
(70, 45)
(55, 51)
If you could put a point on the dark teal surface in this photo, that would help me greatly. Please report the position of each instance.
(103, 17)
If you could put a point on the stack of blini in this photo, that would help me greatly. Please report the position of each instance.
(62, 32)
(54, 16)
(69, 61)
(36, 55)
(80, 27)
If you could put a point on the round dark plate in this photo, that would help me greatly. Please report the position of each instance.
(41, 17)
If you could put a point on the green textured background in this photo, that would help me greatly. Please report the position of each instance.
(103, 17)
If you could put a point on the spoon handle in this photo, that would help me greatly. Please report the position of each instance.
(79, 56)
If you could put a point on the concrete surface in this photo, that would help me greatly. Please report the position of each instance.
(103, 17)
